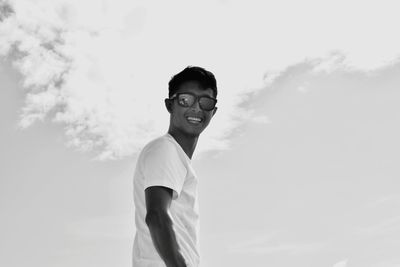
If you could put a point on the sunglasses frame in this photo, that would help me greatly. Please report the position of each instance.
(196, 98)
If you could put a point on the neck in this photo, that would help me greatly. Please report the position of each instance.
(187, 142)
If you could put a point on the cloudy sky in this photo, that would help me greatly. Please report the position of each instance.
(299, 167)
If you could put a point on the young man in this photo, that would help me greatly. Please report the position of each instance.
(165, 184)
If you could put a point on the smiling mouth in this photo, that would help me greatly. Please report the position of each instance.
(194, 120)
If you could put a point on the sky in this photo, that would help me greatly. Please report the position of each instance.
(297, 168)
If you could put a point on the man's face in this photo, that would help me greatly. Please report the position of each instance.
(180, 116)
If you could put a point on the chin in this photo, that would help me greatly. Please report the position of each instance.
(193, 132)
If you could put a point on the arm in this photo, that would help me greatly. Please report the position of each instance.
(158, 201)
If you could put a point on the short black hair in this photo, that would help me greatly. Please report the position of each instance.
(193, 73)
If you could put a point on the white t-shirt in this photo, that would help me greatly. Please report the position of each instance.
(163, 162)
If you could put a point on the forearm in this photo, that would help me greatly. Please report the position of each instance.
(164, 239)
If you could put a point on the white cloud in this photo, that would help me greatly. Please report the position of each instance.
(261, 119)
(387, 226)
(387, 200)
(102, 67)
(388, 263)
(106, 227)
(269, 244)
(290, 248)
(341, 264)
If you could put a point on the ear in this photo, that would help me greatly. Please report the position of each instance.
(214, 111)
(168, 104)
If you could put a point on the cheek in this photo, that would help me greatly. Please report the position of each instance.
(209, 115)
(178, 114)
(207, 118)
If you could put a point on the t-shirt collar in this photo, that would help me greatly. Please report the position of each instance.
(176, 142)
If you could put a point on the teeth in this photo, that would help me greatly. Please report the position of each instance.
(194, 119)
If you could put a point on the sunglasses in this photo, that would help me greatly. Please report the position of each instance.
(187, 100)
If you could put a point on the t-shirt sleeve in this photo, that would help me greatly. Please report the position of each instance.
(162, 166)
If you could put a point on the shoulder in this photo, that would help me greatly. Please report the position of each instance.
(159, 144)
(161, 148)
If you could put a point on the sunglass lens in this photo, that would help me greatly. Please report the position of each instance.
(186, 100)
(207, 103)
